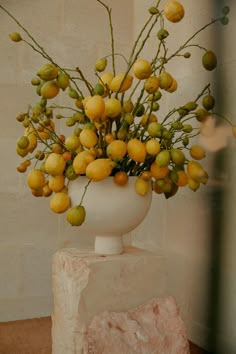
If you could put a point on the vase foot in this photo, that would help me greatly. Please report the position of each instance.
(108, 245)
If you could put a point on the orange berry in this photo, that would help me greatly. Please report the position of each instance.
(142, 69)
(116, 149)
(174, 11)
(121, 178)
(36, 179)
(182, 178)
(94, 107)
(159, 172)
(136, 150)
(67, 155)
(146, 175)
(197, 152)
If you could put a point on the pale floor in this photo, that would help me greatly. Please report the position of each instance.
(34, 337)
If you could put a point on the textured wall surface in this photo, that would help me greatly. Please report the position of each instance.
(76, 33)
(187, 226)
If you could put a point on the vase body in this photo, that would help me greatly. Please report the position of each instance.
(111, 210)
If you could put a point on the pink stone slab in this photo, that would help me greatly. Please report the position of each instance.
(151, 328)
(86, 284)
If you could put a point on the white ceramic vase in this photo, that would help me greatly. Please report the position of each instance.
(111, 210)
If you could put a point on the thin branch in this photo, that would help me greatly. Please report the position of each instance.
(206, 88)
(183, 46)
(40, 49)
(25, 30)
(117, 54)
(111, 33)
(85, 189)
(88, 85)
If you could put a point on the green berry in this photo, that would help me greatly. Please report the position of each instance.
(15, 37)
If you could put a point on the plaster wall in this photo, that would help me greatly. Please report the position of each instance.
(76, 33)
(196, 230)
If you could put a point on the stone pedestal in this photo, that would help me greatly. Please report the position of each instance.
(86, 284)
(154, 327)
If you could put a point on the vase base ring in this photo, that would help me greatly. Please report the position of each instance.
(108, 245)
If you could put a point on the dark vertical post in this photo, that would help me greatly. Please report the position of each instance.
(216, 200)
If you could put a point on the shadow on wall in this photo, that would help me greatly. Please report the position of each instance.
(222, 302)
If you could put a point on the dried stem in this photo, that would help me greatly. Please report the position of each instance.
(185, 44)
(111, 33)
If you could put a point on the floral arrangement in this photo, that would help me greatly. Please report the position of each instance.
(116, 129)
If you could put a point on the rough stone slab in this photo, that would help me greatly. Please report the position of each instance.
(152, 328)
(86, 284)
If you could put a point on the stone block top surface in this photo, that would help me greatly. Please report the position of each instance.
(91, 257)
